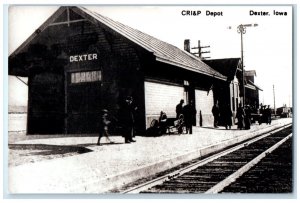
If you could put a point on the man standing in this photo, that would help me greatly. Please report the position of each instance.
(216, 113)
(189, 113)
(179, 108)
(227, 116)
(247, 117)
(127, 117)
(269, 115)
(240, 114)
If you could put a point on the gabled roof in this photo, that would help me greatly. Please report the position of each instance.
(163, 52)
(226, 66)
(229, 68)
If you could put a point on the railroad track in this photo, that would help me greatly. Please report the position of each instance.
(219, 171)
(273, 174)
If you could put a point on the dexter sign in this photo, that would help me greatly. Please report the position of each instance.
(83, 57)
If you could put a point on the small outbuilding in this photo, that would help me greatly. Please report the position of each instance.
(231, 92)
(228, 93)
(251, 89)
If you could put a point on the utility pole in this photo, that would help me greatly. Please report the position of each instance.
(274, 100)
(200, 52)
(241, 29)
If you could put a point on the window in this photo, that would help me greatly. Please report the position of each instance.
(89, 76)
(186, 83)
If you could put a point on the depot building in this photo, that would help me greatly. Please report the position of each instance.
(79, 62)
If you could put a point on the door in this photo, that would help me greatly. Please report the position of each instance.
(161, 97)
(204, 103)
(83, 102)
(46, 103)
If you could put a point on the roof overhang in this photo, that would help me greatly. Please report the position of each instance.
(257, 87)
(250, 87)
(189, 68)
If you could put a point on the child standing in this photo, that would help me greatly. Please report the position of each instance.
(104, 126)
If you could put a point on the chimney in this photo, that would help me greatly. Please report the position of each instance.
(187, 45)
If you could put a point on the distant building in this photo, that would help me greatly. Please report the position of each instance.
(229, 92)
(251, 89)
(232, 91)
(284, 111)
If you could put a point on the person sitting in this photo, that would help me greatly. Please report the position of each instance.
(179, 124)
(163, 122)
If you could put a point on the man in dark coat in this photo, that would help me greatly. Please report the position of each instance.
(179, 108)
(247, 117)
(216, 113)
(240, 114)
(189, 113)
(127, 118)
(227, 117)
(269, 115)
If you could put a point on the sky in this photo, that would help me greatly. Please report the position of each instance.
(267, 47)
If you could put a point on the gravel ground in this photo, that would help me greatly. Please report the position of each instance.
(20, 157)
(23, 154)
(19, 154)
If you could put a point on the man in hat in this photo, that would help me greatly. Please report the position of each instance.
(240, 114)
(189, 113)
(269, 115)
(127, 117)
(179, 108)
(216, 113)
(247, 117)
